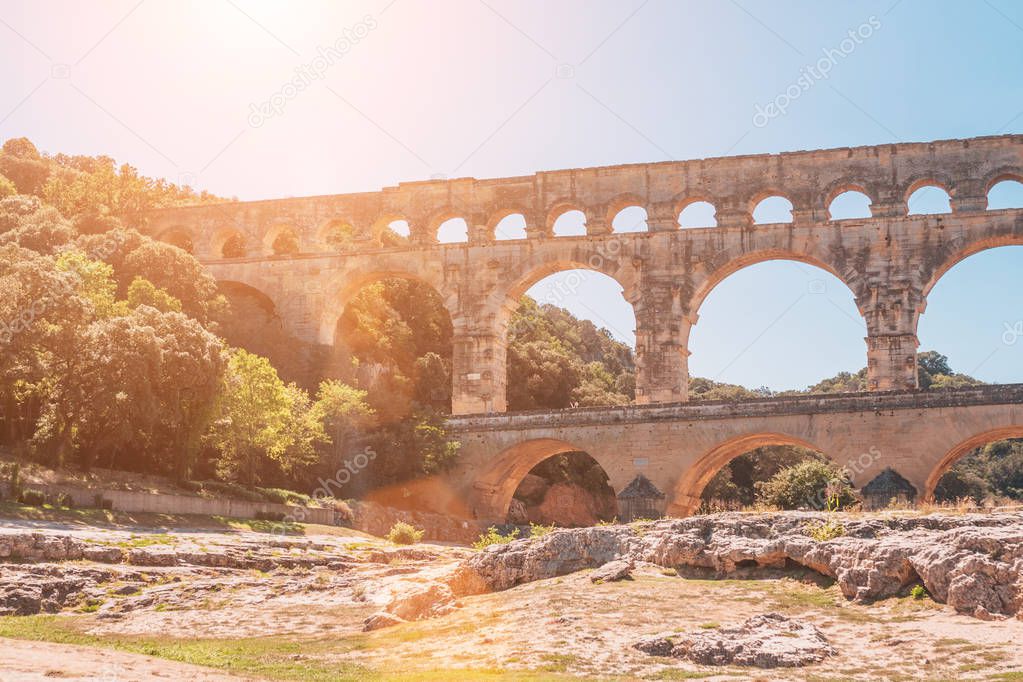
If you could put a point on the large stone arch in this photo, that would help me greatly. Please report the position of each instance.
(685, 499)
(183, 236)
(265, 300)
(495, 484)
(340, 290)
(504, 300)
(962, 449)
(956, 251)
(728, 264)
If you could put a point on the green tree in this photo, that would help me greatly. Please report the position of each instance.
(345, 416)
(7, 188)
(178, 273)
(413, 447)
(21, 162)
(260, 421)
(143, 292)
(28, 223)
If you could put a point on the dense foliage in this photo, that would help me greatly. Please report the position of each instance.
(113, 350)
(993, 471)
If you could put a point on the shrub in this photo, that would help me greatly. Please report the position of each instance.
(402, 533)
(822, 531)
(342, 512)
(65, 500)
(494, 537)
(32, 497)
(228, 489)
(810, 484)
(537, 530)
(918, 592)
(282, 496)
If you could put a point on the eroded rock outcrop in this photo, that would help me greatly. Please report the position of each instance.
(971, 562)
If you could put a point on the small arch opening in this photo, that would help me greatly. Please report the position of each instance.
(630, 219)
(510, 227)
(849, 205)
(1005, 194)
(338, 235)
(929, 199)
(284, 242)
(395, 233)
(453, 231)
(570, 224)
(773, 209)
(180, 238)
(234, 247)
(698, 214)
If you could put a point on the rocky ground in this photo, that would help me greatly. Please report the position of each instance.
(734, 596)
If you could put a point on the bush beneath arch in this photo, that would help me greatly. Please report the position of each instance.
(811, 484)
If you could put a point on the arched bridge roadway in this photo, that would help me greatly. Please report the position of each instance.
(680, 447)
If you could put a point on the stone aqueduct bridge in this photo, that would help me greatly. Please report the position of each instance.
(890, 262)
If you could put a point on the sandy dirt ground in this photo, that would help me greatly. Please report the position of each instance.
(42, 661)
(560, 628)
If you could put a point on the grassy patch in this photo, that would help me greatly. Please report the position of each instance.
(274, 658)
(558, 663)
(673, 674)
(263, 526)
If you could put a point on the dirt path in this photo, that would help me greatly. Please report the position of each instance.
(36, 661)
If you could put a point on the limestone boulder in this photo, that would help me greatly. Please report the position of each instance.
(766, 641)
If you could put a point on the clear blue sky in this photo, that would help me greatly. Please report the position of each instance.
(473, 88)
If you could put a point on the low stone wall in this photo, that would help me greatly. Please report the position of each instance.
(158, 503)
(368, 517)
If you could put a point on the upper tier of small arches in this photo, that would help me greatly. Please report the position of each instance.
(594, 204)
